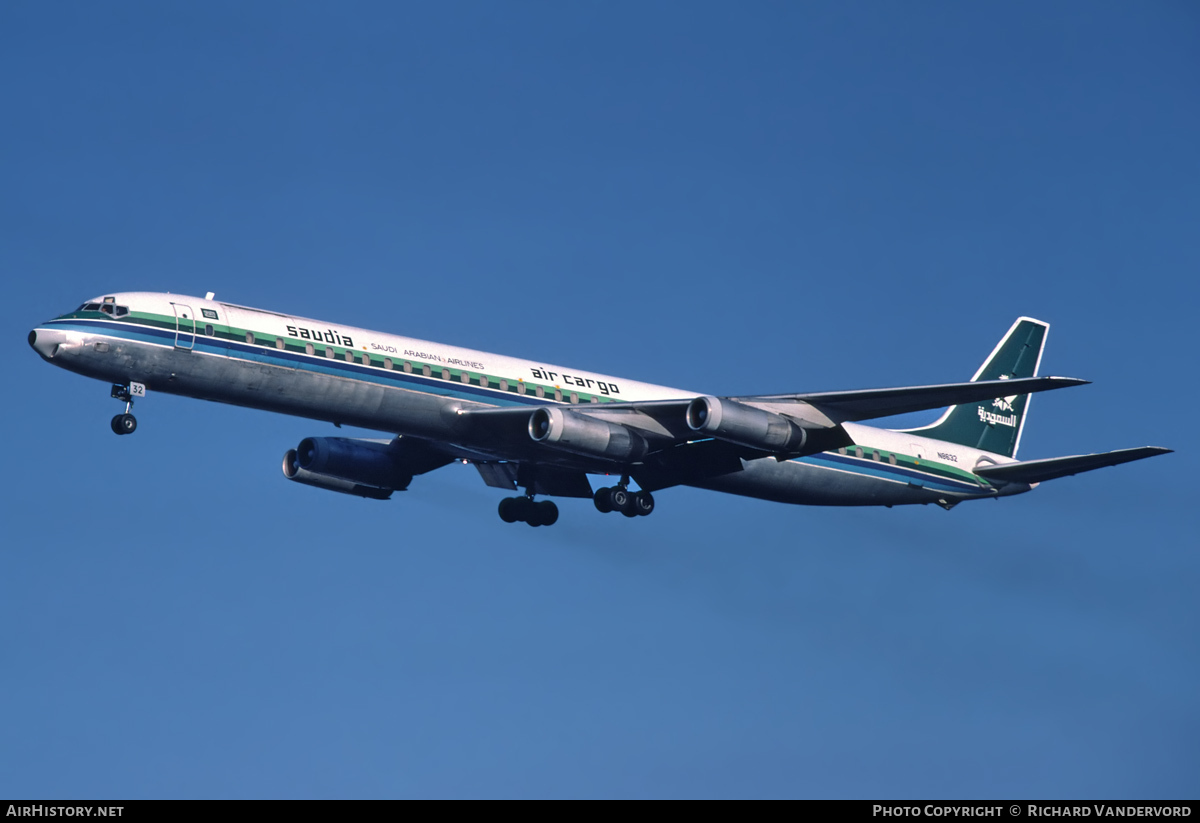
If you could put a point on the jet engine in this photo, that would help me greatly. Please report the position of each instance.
(362, 467)
(745, 425)
(583, 435)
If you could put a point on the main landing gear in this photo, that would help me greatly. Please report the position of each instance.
(619, 498)
(126, 423)
(525, 509)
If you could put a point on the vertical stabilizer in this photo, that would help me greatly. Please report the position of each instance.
(996, 425)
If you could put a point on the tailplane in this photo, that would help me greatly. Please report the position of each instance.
(1038, 471)
(995, 425)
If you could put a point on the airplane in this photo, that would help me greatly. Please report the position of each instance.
(527, 425)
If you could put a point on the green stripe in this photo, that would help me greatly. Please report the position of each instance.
(294, 345)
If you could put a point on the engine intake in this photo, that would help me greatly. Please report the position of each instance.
(580, 434)
(359, 461)
(292, 471)
(745, 425)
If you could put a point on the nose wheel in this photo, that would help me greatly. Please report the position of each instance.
(126, 423)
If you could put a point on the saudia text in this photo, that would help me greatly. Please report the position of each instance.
(992, 417)
(327, 336)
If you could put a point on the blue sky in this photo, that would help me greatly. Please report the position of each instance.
(732, 198)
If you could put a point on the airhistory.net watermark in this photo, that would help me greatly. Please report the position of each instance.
(41, 810)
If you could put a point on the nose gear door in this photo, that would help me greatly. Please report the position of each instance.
(185, 326)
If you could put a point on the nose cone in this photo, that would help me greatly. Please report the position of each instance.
(45, 342)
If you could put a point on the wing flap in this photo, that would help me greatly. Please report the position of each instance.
(1036, 471)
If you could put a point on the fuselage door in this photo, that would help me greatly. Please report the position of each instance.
(918, 451)
(185, 326)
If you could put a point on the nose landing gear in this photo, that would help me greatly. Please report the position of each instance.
(126, 423)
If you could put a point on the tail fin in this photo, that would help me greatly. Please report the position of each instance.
(996, 425)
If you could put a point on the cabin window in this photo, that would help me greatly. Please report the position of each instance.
(329, 352)
(407, 367)
(250, 337)
(858, 452)
(465, 377)
(445, 374)
(308, 348)
(349, 356)
(521, 388)
(483, 380)
(892, 459)
(387, 363)
(842, 450)
(574, 397)
(503, 385)
(209, 331)
(875, 455)
(595, 398)
(279, 344)
(558, 394)
(425, 370)
(366, 359)
(122, 311)
(539, 391)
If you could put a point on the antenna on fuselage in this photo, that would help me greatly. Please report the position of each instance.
(210, 295)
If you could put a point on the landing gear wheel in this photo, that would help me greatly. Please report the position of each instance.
(603, 500)
(618, 498)
(627, 505)
(546, 514)
(124, 424)
(507, 510)
(643, 503)
(525, 509)
(522, 508)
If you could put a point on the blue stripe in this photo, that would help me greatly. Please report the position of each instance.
(886, 471)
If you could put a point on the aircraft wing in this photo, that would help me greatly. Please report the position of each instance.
(664, 423)
(1035, 471)
(867, 404)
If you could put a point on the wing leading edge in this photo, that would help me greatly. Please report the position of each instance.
(867, 404)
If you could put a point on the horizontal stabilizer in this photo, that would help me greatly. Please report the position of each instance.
(866, 404)
(1035, 471)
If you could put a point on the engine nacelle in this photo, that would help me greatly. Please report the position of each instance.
(292, 471)
(580, 434)
(359, 461)
(745, 425)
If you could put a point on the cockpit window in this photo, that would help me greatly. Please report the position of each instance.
(108, 307)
